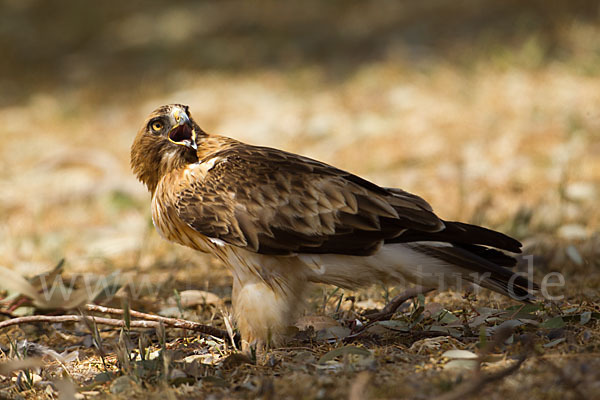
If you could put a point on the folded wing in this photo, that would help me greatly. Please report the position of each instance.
(272, 202)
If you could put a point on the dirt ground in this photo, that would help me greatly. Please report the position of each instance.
(492, 115)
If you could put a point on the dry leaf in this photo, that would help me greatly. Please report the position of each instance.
(19, 364)
(340, 351)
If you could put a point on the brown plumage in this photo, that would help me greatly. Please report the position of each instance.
(280, 220)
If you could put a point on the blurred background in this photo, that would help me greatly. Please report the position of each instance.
(488, 109)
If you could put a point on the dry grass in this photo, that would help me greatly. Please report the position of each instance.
(509, 139)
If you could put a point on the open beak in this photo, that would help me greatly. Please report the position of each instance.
(182, 132)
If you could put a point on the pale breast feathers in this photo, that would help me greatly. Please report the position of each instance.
(272, 202)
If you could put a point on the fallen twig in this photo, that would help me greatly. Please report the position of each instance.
(74, 318)
(174, 322)
(575, 385)
(476, 384)
(480, 379)
(149, 321)
(388, 311)
(358, 389)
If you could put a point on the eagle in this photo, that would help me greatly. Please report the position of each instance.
(280, 221)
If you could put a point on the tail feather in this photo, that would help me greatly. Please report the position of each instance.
(492, 255)
(462, 234)
(486, 273)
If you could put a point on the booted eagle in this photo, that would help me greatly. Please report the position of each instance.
(279, 221)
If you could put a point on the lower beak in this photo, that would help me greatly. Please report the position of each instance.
(193, 144)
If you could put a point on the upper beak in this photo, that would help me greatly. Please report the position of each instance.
(182, 132)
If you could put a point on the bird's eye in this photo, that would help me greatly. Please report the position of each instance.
(156, 126)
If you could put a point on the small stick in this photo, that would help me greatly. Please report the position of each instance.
(74, 318)
(475, 385)
(151, 321)
(388, 311)
(481, 379)
(358, 389)
(174, 322)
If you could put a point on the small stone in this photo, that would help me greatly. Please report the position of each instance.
(121, 384)
(572, 232)
(177, 374)
(580, 191)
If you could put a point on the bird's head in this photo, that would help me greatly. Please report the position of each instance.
(167, 140)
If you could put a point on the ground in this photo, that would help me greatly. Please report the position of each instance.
(507, 138)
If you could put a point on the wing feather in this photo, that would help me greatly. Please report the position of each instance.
(274, 202)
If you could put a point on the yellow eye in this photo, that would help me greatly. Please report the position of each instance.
(157, 126)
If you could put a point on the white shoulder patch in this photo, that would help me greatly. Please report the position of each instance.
(218, 242)
(211, 163)
(200, 169)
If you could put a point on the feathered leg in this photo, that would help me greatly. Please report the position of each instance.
(263, 309)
